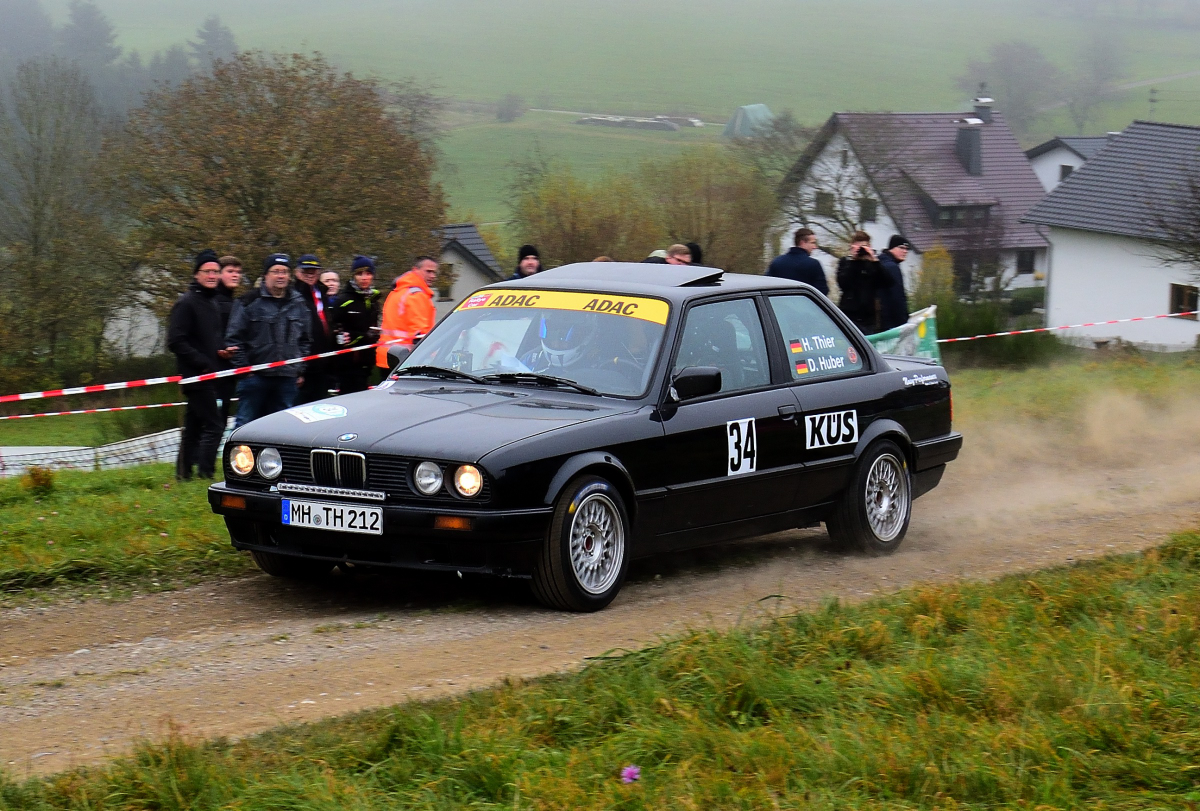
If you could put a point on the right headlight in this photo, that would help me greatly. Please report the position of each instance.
(428, 478)
(242, 460)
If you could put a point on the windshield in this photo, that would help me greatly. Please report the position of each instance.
(603, 341)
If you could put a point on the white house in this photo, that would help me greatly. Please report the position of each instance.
(1106, 243)
(474, 265)
(959, 180)
(1054, 161)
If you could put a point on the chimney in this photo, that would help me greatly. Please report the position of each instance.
(983, 109)
(969, 145)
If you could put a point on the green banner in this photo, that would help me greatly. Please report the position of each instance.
(917, 338)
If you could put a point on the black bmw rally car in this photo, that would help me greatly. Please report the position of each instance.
(555, 427)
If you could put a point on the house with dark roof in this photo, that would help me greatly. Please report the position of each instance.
(957, 180)
(1054, 161)
(469, 261)
(1105, 224)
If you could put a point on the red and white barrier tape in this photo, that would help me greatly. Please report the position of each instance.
(90, 411)
(1065, 326)
(158, 381)
(258, 367)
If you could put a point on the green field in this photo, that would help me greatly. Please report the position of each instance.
(1071, 688)
(703, 57)
(477, 169)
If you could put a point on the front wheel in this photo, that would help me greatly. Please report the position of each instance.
(872, 514)
(583, 562)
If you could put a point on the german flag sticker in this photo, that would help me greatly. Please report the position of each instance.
(795, 347)
(801, 367)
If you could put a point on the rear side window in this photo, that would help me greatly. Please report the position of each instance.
(816, 345)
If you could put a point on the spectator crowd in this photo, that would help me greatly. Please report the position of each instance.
(303, 309)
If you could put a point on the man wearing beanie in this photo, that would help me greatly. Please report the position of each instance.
(194, 336)
(317, 379)
(408, 312)
(893, 303)
(356, 323)
(529, 262)
(268, 324)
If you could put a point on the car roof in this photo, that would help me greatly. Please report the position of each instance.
(676, 283)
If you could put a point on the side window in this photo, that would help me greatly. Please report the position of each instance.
(816, 346)
(728, 335)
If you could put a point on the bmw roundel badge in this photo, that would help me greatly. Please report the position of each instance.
(347, 437)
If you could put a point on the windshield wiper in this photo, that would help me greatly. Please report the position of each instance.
(542, 380)
(438, 371)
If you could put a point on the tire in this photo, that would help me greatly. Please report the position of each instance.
(292, 568)
(584, 559)
(872, 514)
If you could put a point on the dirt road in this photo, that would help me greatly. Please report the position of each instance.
(79, 682)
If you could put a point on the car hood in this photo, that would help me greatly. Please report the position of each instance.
(450, 420)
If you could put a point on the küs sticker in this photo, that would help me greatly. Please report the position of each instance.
(318, 412)
(828, 430)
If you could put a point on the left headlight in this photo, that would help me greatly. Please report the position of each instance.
(468, 481)
(270, 464)
(242, 460)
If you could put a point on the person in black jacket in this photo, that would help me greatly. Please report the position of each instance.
(317, 379)
(231, 280)
(797, 264)
(860, 278)
(356, 323)
(194, 334)
(893, 303)
(529, 262)
(268, 324)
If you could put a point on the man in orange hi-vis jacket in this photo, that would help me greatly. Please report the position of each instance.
(408, 312)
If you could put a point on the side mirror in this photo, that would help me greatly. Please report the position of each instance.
(696, 381)
(397, 354)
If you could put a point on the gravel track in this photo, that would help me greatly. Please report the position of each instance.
(83, 681)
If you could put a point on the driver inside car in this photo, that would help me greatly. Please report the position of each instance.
(576, 346)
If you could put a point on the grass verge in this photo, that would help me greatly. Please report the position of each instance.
(111, 529)
(1072, 688)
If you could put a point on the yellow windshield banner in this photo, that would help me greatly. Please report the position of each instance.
(646, 309)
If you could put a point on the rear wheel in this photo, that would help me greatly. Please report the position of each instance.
(583, 562)
(873, 513)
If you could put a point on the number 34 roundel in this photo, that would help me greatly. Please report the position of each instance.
(743, 446)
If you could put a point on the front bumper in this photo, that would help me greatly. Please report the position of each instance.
(501, 542)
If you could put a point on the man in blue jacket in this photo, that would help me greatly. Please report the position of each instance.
(798, 263)
(893, 303)
(269, 324)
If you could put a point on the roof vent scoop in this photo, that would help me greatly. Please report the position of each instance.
(969, 146)
(983, 109)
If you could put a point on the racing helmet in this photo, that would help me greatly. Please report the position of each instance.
(565, 335)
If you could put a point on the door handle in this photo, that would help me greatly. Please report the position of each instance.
(788, 412)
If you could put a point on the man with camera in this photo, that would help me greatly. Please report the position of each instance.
(861, 278)
(798, 263)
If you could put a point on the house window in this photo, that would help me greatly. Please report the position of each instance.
(845, 158)
(868, 210)
(1184, 299)
(1025, 261)
(823, 204)
(1064, 171)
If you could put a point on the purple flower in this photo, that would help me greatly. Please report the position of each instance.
(631, 774)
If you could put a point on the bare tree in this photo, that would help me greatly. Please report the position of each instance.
(61, 267)
(1101, 63)
(1021, 78)
(775, 148)
(510, 108)
(837, 191)
(1176, 218)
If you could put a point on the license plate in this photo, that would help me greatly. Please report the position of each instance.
(333, 517)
